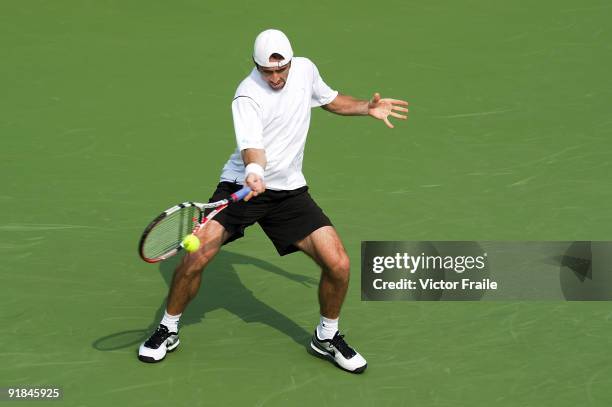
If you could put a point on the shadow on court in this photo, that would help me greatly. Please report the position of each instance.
(221, 288)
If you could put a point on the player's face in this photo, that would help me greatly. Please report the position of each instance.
(275, 77)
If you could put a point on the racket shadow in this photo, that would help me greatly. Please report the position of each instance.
(221, 288)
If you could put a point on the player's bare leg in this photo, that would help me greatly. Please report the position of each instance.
(184, 287)
(325, 248)
(188, 275)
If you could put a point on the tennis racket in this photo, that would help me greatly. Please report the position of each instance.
(164, 236)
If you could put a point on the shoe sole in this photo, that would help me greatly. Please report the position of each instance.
(327, 356)
(149, 359)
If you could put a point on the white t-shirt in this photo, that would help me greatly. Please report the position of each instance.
(276, 121)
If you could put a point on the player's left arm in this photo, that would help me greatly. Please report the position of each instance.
(376, 107)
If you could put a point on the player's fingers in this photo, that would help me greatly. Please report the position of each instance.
(388, 123)
(399, 116)
(254, 182)
(399, 109)
(261, 186)
(398, 102)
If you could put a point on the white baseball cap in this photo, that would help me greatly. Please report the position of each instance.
(272, 42)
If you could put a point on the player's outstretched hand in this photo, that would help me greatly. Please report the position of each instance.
(381, 109)
(257, 185)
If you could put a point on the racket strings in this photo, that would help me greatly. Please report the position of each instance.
(168, 234)
(196, 225)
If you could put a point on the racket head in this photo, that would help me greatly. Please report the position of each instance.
(162, 238)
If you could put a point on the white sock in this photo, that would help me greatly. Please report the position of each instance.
(171, 321)
(327, 328)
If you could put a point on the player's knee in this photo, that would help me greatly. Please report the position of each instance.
(205, 257)
(340, 269)
(196, 262)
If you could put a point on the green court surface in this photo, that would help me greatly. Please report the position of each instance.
(112, 111)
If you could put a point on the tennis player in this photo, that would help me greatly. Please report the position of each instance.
(271, 113)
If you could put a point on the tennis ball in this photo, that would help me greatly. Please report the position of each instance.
(191, 243)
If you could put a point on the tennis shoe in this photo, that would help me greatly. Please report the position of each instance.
(338, 351)
(162, 341)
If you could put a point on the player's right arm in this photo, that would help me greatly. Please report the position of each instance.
(249, 137)
(254, 165)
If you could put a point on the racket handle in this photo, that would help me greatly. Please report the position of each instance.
(239, 195)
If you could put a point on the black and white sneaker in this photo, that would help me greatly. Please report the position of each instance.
(340, 352)
(155, 348)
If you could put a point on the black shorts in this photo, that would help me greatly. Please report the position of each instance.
(286, 217)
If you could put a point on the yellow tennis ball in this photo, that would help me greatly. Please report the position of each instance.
(191, 243)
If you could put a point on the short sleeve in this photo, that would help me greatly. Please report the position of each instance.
(247, 123)
(321, 93)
